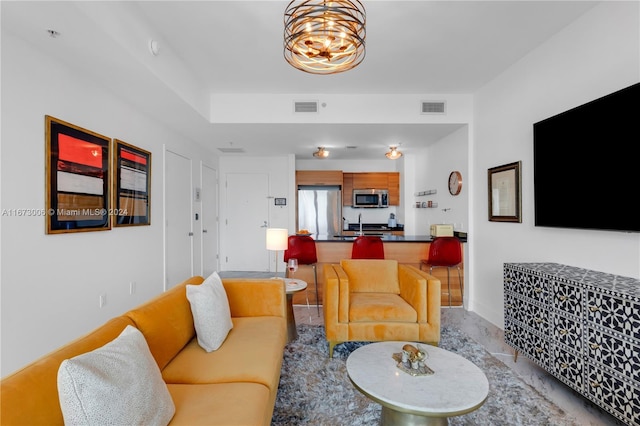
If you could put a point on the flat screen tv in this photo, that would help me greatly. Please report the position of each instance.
(586, 167)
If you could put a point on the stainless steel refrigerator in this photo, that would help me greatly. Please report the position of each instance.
(320, 209)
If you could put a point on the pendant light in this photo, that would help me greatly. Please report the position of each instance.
(324, 37)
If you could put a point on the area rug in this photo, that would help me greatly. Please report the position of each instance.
(315, 390)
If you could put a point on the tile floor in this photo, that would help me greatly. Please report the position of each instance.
(492, 338)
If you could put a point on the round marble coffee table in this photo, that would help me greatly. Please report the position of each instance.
(457, 386)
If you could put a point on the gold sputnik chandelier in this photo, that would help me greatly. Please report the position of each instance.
(324, 37)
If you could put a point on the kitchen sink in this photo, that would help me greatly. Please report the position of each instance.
(345, 237)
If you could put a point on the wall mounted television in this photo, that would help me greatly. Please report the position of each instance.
(586, 170)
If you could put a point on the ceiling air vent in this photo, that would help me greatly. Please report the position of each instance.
(231, 150)
(305, 106)
(433, 107)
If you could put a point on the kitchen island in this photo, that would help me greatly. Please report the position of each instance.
(406, 249)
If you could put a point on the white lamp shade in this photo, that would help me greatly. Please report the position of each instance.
(277, 238)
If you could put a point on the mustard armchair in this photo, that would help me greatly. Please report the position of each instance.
(380, 300)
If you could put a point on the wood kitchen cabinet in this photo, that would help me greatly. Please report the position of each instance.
(368, 180)
(350, 181)
(347, 189)
(394, 188)
(318, 177)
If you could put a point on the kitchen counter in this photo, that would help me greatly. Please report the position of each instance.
(387, 238)
(406, 249)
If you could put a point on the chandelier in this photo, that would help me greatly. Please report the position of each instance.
(393, 153)
(324, 37)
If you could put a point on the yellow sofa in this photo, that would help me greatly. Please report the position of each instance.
(234, 385)
(380, 300)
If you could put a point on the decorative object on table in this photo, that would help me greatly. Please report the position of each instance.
(292, 266)
(323, 37)
(505, 200)
(77, 178)
(132, 185)
(303, 232)
(411, 361)
(455, 182)
(276, 241)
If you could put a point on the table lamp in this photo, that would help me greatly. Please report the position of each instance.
(277, 239)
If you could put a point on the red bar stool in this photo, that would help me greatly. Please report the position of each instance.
(445, 252)
(367, 247)
(303, 248)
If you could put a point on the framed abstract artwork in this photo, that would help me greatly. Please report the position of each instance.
(505, 204)
(132, 185)
(77, 178)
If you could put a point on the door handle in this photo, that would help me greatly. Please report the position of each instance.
(264, 225)
(204, 231)
(191, 234)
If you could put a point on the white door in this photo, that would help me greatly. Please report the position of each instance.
(247, 205)
(209, 221)
(179, 234)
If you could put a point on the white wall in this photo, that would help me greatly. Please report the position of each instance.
(433, 167)
(51, 283)
(596, 55)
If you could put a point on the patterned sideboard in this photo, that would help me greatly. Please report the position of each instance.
(582, 326)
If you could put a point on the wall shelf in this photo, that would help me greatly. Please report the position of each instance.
(427, 192)
(426, 205)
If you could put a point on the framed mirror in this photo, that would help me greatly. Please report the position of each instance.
(505, 203)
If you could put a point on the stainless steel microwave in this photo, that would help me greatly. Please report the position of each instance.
(377, 198)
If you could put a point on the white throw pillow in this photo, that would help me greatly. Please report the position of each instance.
(211, 314)
(117, 384)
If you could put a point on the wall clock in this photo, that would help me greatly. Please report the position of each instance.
(455, 182)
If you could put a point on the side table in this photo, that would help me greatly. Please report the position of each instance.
(292, 286)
